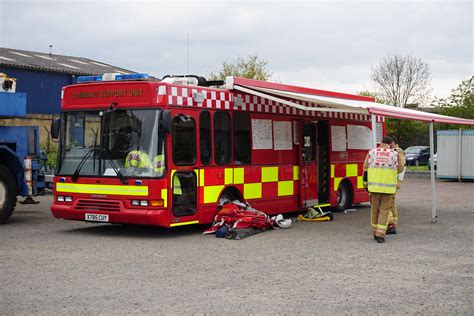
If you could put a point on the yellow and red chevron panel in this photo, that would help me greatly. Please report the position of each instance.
(354, 172)
(254, 182)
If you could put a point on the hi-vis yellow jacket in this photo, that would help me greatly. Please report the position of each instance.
(382, 165)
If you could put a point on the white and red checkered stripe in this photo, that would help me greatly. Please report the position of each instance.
(215, 99)
(378, 158)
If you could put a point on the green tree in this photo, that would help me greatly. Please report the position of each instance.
(459, 104)
(367, 93)
(251, 68)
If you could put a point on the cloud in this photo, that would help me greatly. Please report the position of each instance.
(314, 43)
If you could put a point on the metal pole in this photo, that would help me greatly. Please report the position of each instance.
(459, 154)
(434, 216)
(187, 50)
(374, 131)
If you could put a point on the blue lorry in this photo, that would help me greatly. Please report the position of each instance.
(21, 171)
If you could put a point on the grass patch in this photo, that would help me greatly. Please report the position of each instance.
(418, 168)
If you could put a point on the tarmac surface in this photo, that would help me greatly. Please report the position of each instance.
(50, 266)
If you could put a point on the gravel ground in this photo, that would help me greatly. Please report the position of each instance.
(50, 266)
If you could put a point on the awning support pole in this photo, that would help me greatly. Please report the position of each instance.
(374, 131)
(434, 216)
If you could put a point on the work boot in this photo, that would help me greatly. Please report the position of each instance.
(379, 240)
(391, 229)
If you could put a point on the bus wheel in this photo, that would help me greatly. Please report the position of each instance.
(7, 194)
(229, 195)
(344, 198)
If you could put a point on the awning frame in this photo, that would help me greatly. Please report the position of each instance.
(345, 103)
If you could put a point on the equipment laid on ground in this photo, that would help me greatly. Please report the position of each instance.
(20, 167)
(316, 214)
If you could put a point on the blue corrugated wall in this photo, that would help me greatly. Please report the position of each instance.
(42, 88)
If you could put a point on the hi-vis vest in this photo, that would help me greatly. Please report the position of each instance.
(137, 159)
(382, 171)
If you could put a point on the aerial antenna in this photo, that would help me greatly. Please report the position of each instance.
(187, 49)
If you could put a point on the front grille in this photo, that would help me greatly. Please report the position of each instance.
(98, 205)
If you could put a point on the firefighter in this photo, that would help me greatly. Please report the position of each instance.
(381, 167)
(137, 159)
(393, 214)
(159, 164)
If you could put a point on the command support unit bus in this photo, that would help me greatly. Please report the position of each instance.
(139, 150)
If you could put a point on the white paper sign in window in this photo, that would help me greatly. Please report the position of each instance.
(359, 137)
(282, 136)
(262, 137)
(338, 138)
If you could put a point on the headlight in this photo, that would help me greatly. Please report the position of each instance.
(60, 198)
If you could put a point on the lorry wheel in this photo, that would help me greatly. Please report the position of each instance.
(344, 198)
(7, 194)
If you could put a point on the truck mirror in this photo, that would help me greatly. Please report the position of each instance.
(165, 122)
(55, 127)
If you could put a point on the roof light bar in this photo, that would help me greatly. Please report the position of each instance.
(112, 77)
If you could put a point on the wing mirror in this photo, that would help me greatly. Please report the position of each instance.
(55, 128)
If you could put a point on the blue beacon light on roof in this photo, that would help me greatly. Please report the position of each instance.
(111, 77)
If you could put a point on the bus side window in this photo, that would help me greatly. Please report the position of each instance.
(241, 131)
(309, 142)
(205, 137)
(184, 140)
(222, 145)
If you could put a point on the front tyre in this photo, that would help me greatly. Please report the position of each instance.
(344, 196)
(7, 194)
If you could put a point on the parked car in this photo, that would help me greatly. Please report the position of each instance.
(434, 163)
(417, 155)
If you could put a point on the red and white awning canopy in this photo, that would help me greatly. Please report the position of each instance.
(333, 101)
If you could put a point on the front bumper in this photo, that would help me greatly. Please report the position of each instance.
(139, 217)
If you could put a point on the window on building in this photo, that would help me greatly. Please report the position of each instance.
(184, 140)
(205, 137)
(222, 142)
(241, 131)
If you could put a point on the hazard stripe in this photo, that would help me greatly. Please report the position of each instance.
(102, 189)
(212, 192)
(184, 223)
(164, 197)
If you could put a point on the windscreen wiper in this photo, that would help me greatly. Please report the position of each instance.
(75, 175)
(114, 166)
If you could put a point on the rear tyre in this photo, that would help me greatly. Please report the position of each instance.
(7, 194)
(344, 198)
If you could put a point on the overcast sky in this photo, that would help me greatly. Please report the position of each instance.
(328, 45)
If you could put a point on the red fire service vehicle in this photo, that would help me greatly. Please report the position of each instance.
(139, 150)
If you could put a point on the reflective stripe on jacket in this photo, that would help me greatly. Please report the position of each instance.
(382, 170)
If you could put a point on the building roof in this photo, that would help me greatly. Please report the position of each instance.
(55, 63)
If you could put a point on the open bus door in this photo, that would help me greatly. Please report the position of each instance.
(183, 182)
(308, 164)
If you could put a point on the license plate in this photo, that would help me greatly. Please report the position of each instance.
(97, 218)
